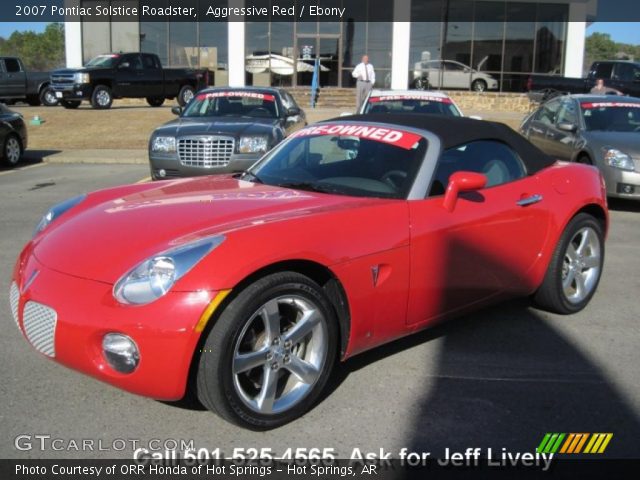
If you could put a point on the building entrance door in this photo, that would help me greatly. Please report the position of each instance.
(326, 47)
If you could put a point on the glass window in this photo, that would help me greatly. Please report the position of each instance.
(457, 32)
(520, 33)
(183, 45)
(96, 36)
(153, 39)
(627, 72)
(497, 161)
(550, 37)
(12, 65)
(488, 36)
(603, 70)
(568, 113)
(547, 113)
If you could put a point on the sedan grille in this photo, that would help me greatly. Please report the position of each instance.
(205, 152)
(40, 327)
(14, 300)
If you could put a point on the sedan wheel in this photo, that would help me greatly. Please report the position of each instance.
(12, 150)
(575, 268)
(479, 86)
(270, 353)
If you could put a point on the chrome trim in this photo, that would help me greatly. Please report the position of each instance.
(40, 327)
(205, 151)
(523, 202)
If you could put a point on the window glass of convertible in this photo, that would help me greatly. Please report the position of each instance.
(343, 165)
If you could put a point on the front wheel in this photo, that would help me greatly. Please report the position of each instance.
(479, 86)
(185, 95)
(12, 150)
(575, 268)
(102, 98)
(48, 97)
(270, 353)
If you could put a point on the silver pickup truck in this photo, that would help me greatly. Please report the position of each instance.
(16, 84)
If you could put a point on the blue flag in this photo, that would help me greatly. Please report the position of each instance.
(315, 83)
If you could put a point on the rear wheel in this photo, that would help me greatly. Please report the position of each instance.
(270, 353)
(155, 101)
(70, 104)
(102, 98)
(48, 97)
(12, 150)
(575, 268)
(185, 95)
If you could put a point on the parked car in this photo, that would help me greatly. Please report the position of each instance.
(409, 101)
(621, 75)
(126, 75)
(598, 130)
(13, 136)
(352, 233)
(223, 130)
(451, 74)
(16, 84)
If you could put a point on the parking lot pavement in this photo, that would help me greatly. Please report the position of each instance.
(499, 378)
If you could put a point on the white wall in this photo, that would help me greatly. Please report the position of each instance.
(574, 48)
(73, 44)
(235, 35)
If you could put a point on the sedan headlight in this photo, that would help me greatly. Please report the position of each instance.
(163, 144)
(617, 159)
(154, 277)
(57, 210)
(81, 78)
(253, 144)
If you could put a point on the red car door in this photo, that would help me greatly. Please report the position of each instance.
(486, 245)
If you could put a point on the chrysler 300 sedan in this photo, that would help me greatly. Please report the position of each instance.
(599, 130)
(349, 234)
(223, 130)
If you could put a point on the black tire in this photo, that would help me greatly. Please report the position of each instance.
(70, 104)
(185, 95)
(479, 86)
(155, 101)
(11, 150)
(551, 295)
(48, 97)
(33, 101)
(225, 393)
(101, 98)
(421, 83)
(585, 159)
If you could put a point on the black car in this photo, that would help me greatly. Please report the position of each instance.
(13, 136)
(223, 130)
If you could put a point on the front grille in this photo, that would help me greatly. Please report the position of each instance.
(40, 327)
(14, 300)
(62, 79)
(205, 152)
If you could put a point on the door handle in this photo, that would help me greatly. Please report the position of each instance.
(530, 200)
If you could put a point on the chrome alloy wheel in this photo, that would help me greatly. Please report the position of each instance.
(581, 266)
(188, 96)
(103, 98)
(280, 354)
(12, 150)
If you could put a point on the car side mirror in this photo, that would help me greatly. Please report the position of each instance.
(462, 182)
(568, 127)
(293, 111)
(176, 110)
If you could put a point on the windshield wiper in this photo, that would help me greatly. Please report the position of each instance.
(250, 177)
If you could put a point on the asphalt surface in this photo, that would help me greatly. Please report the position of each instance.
(499, 378)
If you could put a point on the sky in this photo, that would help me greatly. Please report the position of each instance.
(623, 32)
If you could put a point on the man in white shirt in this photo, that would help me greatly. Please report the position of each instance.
(366, 78)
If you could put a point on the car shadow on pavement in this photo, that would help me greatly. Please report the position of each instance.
(624, 205)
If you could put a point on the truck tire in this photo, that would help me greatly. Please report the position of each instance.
(70, 104)
(48, 97)
(155, 101)
(185, 95)
(101, 98)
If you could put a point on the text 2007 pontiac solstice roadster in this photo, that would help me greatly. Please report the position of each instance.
(351, 233)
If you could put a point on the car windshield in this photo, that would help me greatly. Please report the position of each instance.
(611, 116)
(106, 61)
(233, 103)
(411, 104)
(345, 159)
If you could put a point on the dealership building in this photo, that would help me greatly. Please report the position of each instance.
(508, 40)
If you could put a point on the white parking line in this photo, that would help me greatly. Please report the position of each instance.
(19, 169)
(143, 180)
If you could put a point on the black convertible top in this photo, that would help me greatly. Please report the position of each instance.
(456, 131)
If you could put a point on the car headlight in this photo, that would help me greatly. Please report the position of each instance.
(154, 277)
(57, 210)
(617, 159)
(164, 144)
(81, 78)
(253, 144)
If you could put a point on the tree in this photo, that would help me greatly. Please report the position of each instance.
(599, 46)
(39, 51)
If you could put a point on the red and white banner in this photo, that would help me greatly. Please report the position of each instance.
(398, 138)
(237, 93)
(589, 105)
(424, 98)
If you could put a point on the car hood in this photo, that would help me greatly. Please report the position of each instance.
(627, 142)
(111, 231)
(217, 125)
(63, 71)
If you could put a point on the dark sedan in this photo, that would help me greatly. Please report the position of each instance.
(223, 130)
(13, 136)
(601, 130)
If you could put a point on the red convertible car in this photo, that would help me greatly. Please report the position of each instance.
(351, 233)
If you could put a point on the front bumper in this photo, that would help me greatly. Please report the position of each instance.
(66, 318)
(174, 169)
(621, 183)
(74, 91)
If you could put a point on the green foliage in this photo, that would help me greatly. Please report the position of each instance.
(38, 51)
(599, 46)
